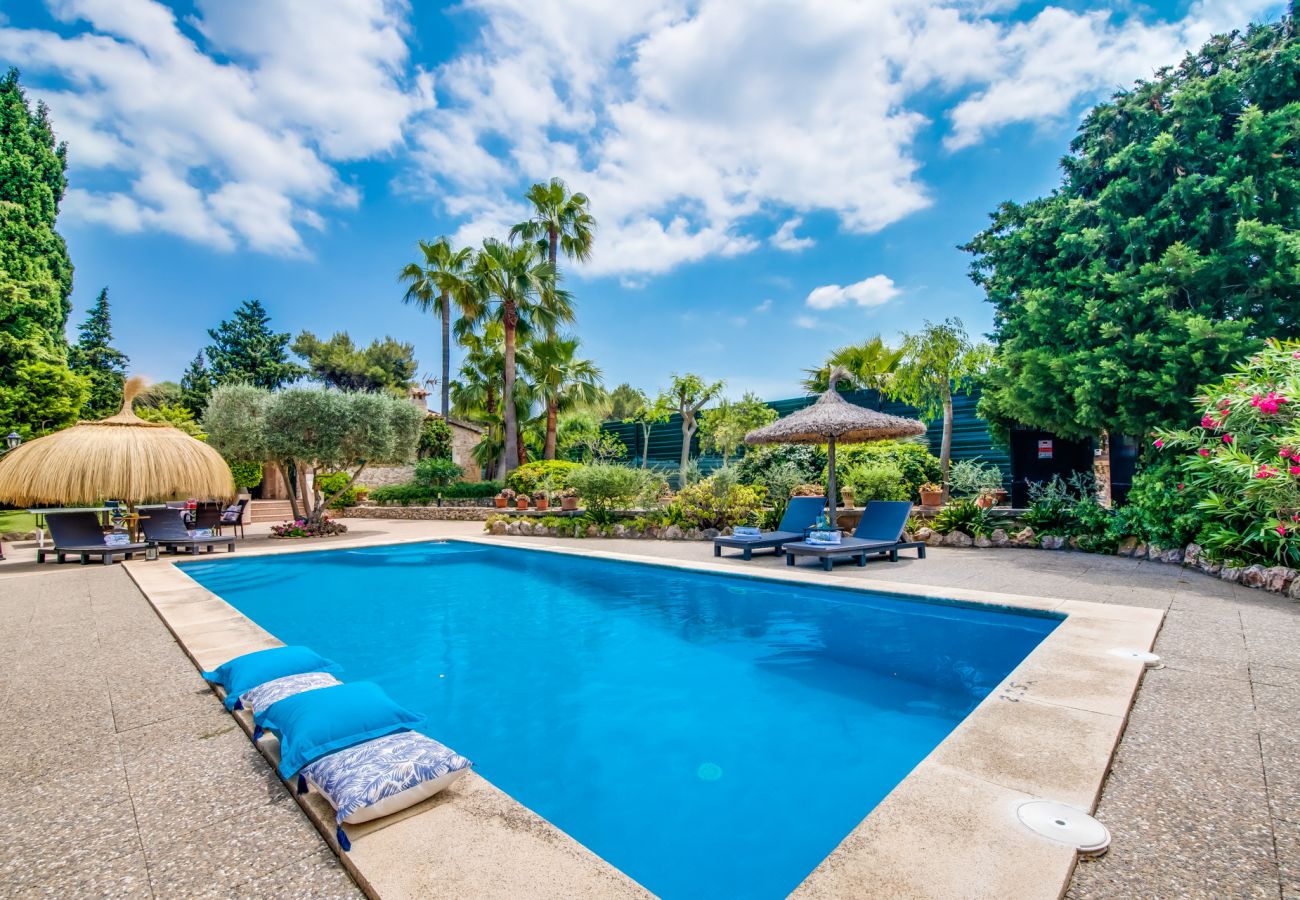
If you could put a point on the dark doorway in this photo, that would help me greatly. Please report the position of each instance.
(1038, 455)
(1123, 463)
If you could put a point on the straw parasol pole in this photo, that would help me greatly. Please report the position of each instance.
(830, 420)
(121, 457)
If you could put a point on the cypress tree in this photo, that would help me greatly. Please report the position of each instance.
(103, 364)
(245, 350)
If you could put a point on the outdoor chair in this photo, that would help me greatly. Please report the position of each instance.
(800, 514)
(879, 532)
(207, 515)
(79, 534)
(166, 528)
(232, 517)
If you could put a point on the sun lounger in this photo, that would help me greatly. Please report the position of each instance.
(79, 534)
(800, 514)
(879, 532)
(166, 528)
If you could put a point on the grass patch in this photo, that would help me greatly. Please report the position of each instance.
(16, 520)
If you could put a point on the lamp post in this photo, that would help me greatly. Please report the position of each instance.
(12, 440)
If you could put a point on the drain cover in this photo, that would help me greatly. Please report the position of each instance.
(1066, 825)
(1150, 660)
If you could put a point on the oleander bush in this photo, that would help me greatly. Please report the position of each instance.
(1243, 460)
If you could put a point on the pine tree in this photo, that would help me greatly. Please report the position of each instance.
(196, 386)
(103, 364)
(245, 350)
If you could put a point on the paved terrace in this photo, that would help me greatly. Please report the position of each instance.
(123, 776)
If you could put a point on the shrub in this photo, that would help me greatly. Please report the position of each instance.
(330, 482)
(717, 502)
(1161, 507)
(606, 487)
(435, 439)
(246, 474)
(415, 494)
(757, 466)
(1053, 503)
(914, 459)
(965, 515)
(809, 490)
(971, 478)
(878, 481)
(437, 473)
(533, 476)
(1243, 460)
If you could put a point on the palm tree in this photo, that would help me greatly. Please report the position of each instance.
(513, 286)
(870, 365)
(562, 380)
(560, 221)
(441, 275)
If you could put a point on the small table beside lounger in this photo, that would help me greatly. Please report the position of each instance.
(800, 514)
(880, 531)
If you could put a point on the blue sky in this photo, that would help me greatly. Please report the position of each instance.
(771, 179)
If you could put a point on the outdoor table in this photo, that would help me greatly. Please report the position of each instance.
(104, 513)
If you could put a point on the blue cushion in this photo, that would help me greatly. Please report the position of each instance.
(314, 723)
(248, 671)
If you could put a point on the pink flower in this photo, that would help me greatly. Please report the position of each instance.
(1207, 421)
(1285, 452)
(1266, 472)
(1227, 439)
(1159, 443)
(1203, 452)
(1180, 485)
(1281, 529)
(1295, 470)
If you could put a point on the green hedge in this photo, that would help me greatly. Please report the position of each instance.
(415, 494)
(529, 477)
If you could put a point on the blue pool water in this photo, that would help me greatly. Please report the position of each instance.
(711, 736)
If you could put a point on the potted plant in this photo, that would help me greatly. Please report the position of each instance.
(569, 499)
(846, 494)
(987, 499)
(931, 495)
(521, 501)
(541, 500)
(503, 499)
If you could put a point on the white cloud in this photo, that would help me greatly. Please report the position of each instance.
(233, 143)
(806, 321)
(869, 292)
(786, 239)
(684, 121)
(764, 306)
(690, 123)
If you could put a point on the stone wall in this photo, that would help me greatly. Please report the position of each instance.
(382, 476)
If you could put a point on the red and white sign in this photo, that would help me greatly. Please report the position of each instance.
(1045, 449)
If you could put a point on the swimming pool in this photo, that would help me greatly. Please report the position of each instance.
(709, 735)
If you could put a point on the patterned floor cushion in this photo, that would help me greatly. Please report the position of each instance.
(383, 776)
(261, 697)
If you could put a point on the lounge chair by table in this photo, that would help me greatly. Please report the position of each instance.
(880, 531)
(232, 517)
(79, 534)
(166, 528)
(800, 514)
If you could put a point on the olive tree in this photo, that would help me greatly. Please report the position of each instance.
(307, 432)
(687, 394)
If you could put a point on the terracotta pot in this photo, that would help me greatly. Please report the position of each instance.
(848, 498)
(568, 504)
(984, 501)
(543, 503)
(932, 498)
(501, 502)
(521, 503)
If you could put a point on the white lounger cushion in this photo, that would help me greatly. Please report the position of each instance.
(383, 776)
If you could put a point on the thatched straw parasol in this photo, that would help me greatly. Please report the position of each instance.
(832, 419)
(122, 457)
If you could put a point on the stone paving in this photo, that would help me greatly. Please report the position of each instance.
(123, 776)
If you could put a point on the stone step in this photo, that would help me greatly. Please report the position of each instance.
(269, 511)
